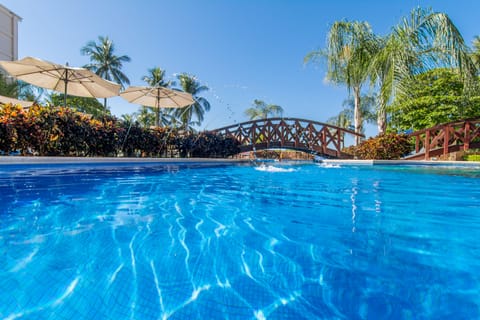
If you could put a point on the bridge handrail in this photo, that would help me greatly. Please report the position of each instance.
(442, 125)
(445, 138)
(288, 119)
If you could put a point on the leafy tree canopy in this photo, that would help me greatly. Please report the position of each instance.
(434, 97)
(86, 105)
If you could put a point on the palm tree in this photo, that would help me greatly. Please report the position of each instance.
(423, 41)
(104, 62)
(350, 48)
(342, 120)
(129, 119)
(145, 117)
(345, 118)
(191, 85)
(476, 51)
(19, 89)
(261, 110)
(156, 78)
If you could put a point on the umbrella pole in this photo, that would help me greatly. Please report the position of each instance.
(65, 96)
(65, 93)
(157, 109)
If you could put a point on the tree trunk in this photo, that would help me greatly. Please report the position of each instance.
(382, 116)
(357, 116)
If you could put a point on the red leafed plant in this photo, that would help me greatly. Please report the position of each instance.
(389, 146)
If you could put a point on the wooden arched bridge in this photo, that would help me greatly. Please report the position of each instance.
(289, 133)
(446, 138)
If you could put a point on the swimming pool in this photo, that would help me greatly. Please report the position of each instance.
(149, 241)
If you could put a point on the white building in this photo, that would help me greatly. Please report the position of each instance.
(8, 34)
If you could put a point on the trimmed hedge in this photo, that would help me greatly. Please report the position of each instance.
(46, 131)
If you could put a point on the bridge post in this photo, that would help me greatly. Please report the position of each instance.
(426, 145)
(466, 141)
(323, 140)
(417, 143)
(446, 139)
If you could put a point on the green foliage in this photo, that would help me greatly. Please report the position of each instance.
(351, 46)
(261, 110)
(87, 105)
(47, 131)
(137, 141)
(156, 77)
(434, 97)
(191, 85)
(421, 41)
(206, 144)
(472, 157)
(8, 88)
(104, 62)
(18, 89)
(389, 146)
(345, 118)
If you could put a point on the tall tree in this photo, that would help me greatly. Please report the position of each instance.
(345, 118)
(349, 52)
(191, 85)
(434, 97)
(105, 63)
(146, 117)
(156, 78)
(261, 110)
(420, 42)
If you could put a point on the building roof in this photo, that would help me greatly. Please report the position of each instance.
(2, 7)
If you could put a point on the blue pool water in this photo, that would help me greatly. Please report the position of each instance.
(239, 242)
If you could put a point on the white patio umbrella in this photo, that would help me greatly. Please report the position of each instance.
(23, 103)
(62, 78)
(157, 97)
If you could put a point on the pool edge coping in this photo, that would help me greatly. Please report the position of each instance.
(401, 162)
(19, 160)
(16, 160)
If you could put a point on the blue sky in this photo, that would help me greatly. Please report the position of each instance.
(243, 49)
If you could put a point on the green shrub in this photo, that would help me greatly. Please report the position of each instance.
(207, 145)
(472, 157)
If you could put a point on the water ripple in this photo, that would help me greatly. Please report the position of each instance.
(237, 243)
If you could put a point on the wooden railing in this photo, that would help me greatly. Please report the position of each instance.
(289, 133)
(446, 138)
